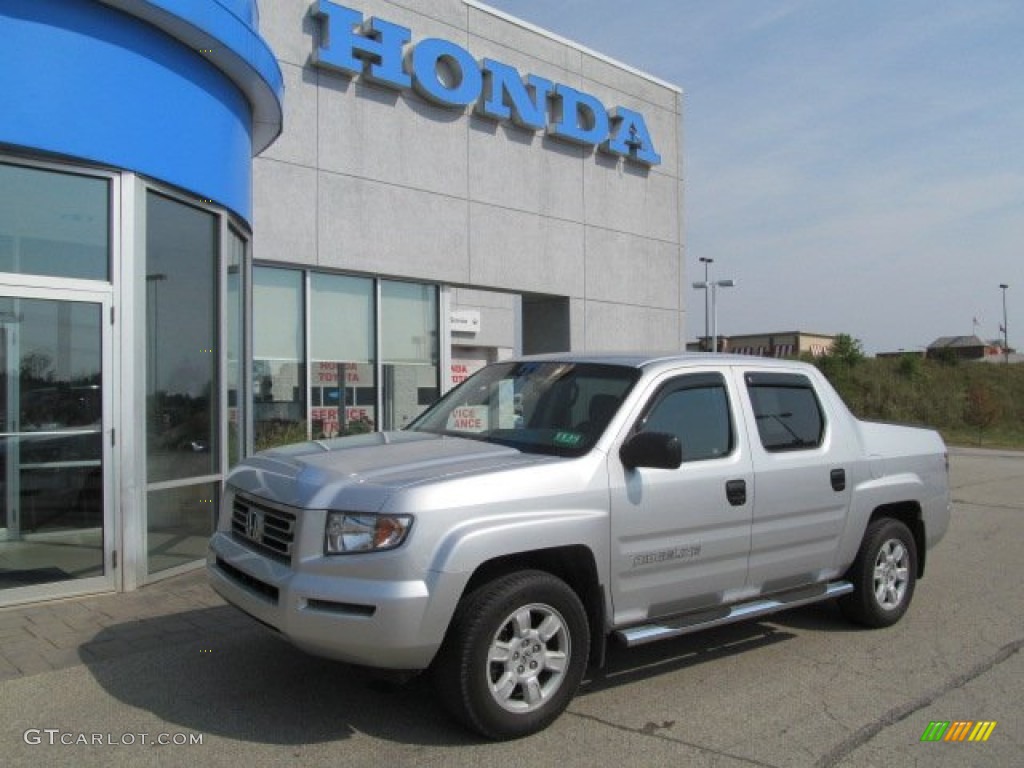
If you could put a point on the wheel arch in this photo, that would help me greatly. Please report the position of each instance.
(908, 513)
(573, 564)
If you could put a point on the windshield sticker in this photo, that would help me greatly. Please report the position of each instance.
(568, 439)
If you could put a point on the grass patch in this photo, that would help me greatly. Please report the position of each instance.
(971, 404)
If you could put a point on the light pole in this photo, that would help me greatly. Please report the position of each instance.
(1006, 337)
(714, 308)
(707, 313)
(713, 286)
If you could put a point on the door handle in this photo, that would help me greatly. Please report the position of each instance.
(838, 477)
(736, 492)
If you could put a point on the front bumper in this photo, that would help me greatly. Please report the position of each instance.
(386, 624)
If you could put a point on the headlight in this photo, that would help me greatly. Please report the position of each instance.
(348, 532)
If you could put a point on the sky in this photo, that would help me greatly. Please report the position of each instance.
(857, 166)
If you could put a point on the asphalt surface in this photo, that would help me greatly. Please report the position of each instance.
(802, 689)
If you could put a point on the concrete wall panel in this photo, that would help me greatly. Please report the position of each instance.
(289, 29)
(622, 327)
(629, 269)
(379, 228)
(515, 168)
(284, 212)
(627, 82)
(525, 252)
(298, 142)
(395, 138)
(622, 197)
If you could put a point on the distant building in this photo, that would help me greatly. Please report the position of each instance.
(919, 352)
(784, 344)
(963, 348)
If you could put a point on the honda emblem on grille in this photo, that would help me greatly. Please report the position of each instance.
(254, 524)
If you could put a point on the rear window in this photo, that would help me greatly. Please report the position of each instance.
(789, 416)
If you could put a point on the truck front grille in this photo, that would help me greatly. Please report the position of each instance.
(270, 529)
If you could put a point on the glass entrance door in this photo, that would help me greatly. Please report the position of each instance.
(55, 519)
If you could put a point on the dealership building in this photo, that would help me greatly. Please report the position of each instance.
(227, 225)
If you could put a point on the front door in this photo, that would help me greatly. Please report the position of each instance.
(681, 537)
(56, 527)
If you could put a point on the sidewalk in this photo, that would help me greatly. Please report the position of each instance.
(65, 633)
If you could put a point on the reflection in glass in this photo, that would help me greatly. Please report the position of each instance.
(54, 224)
(183, 414)
(51, 441)
(409, 350)
(342, 375)
(180, 523)
(235, 345)
(279, 387)
(181, 341)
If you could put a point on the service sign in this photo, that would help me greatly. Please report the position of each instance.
(447, 74)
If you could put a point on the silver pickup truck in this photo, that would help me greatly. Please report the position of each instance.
(549, 504)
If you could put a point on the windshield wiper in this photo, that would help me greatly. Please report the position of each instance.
(798, 441)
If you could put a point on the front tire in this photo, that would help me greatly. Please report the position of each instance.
(883, 575)
(514, 655)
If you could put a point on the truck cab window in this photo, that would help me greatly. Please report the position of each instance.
(696, 410)
(788, 414)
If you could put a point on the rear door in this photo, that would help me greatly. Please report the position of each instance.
(681, 537)
(802, 488)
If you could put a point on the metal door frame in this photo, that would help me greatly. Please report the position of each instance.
(110, 579)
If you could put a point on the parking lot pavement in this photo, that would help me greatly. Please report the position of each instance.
(801, 689)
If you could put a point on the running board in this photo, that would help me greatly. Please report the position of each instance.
(683, 625)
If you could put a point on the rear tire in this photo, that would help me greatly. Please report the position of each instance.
(514, 655)
(883, 574)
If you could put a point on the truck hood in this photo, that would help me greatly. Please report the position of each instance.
(363, 471)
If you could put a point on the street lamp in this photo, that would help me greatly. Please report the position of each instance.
(714, 286)
(1006, 340)
(707, 313)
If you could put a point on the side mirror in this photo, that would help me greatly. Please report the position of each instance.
(658, 450)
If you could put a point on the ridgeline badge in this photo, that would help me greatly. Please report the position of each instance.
(448, 75)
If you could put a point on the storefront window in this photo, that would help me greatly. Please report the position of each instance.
(183, 414)
(279, 380)
(409, 350)
(343, 391)
(54, 224)
(181, 349)
(180, 524)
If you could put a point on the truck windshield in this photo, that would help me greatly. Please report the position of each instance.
(559, 408)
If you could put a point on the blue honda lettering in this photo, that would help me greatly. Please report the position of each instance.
(507, 97)
(630, 137)
(447, 74)
(580, 117)
(433, 58)
(377, 43)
